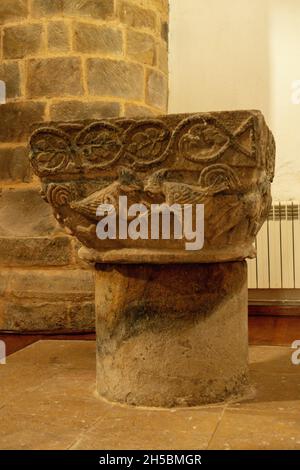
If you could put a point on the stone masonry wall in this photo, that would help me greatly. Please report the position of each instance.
(64, 60)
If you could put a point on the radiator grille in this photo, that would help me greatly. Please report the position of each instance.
(278, 249)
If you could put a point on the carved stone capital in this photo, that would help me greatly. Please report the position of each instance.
(224, 160)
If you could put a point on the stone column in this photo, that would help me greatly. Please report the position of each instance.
(172, 335)
(171, 320)
(64, 60)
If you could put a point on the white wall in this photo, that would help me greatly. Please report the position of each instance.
(239, 54)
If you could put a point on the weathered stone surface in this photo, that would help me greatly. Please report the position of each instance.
(42, 251)
(38, 316)
(136, 17)
(82, 316)
(51, 285)
(21, 41)
(17, 118)
(58, 36)
(160, 5)
(115, 78)
(47, 300)
(223, 160)
(76, 110)
(134, 110)
(59, 76)
(4, 277)
(47, 316)
(98, 9)
(10, 74)
(103, 9)
(156, 89)
(11, 10)
(14, 165)
(90, 38)
(165, 342)
(42, 80)
(159, 337)
(41, 8)
(23, 213)
(141, 47)
(165, 31)
(163, 58)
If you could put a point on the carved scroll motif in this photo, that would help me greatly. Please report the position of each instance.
(143, 144)
(51, 150)
(222, 160)
(146, 142)
(99, 144)
(58, 195)
(218, 178)
(203, 139)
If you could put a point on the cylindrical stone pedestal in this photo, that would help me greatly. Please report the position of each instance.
(172, 335)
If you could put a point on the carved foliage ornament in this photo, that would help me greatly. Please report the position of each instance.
(143, 144)
(222, 160)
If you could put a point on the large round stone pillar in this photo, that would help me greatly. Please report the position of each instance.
(172, 335)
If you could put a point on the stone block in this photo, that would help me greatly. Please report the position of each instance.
(17, 118)
(160, 5)
(90, 38)
(136, 158)
(14, 165)
(12, 10)
(42, 8)
(51, 285)
(59, 76)
(41, 251)
(163, 59)
(136, 17)
(141, 47)
(82, 316)
(73, 110)
(58, 36)
(115, 78)
(156, 89)
(98, 9)
(22, 41)
(23, 213)
(4, 279)
(134, 110)
(10, 74)
(41, 316)
(35, 316)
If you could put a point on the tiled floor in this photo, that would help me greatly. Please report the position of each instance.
(47, 401)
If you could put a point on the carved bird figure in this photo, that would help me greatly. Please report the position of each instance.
(173, 192)
(126, 185)
(222, 215)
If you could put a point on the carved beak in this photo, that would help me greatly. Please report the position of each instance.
(132, 187)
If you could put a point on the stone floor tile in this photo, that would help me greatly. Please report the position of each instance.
(274, 392)
(16, 379)
(48, 401)
(130, 428)
(68, 354)
(254, 429)
(27, 432)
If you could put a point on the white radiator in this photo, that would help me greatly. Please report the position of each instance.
(277, 265)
